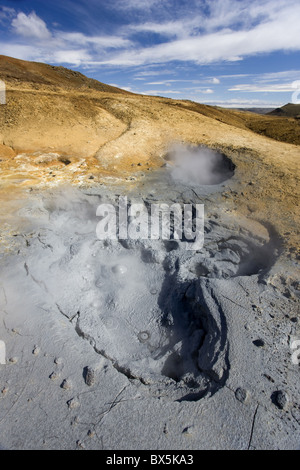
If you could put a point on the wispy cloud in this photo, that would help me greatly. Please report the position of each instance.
(271, 34)
(289, 75)
(157, 44)
(170, 29)
(162, 92)
(208, 91)
(107, 42)
(6, 14)
(168, 82)
(145, 73)
(30, 26)
(270, 88)
(239, 103)
(55, 46)
(227, 31)
(275, 82)
(135, 4)
(18, 50)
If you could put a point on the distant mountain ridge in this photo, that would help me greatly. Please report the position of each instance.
(288, 110)
(256, 110)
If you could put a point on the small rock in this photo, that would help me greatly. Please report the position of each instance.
(58, 360)
(259, 343)
(73, 403)
(36, 350)
(90, 433)
(4, 391)
(80, 444)
(241, 394)
(89, 376)
(66, 384)
(13, 360)
(53, 376)
(75, 421)
(188, 431)
(281, 399)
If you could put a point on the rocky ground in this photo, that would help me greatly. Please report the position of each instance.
(144, 344)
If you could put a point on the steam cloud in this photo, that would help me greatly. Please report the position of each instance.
(199, 166)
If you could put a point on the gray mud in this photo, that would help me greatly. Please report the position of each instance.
(143, 344)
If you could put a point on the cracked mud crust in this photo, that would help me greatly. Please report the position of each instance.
(112, 342)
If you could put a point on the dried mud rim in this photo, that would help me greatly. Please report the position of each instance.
(223, 168)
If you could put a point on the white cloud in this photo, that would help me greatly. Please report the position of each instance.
(113, 42)
(227, 31)
(19, 51)
(237, 75)
(31, 26)
(238, 103)
(268, 29)
(164, 82)
(278, 76)
(149, 73)
(257, 88)
(164, 29)
(126, 88)
(6, 14)
(57, 47)
(134, 4)
(168, 82)
(162, 92)
(69, 57)
(215, 81)
(281, 33)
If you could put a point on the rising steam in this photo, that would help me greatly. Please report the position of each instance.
(199, 166)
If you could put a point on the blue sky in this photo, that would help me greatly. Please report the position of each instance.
(232, 53)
